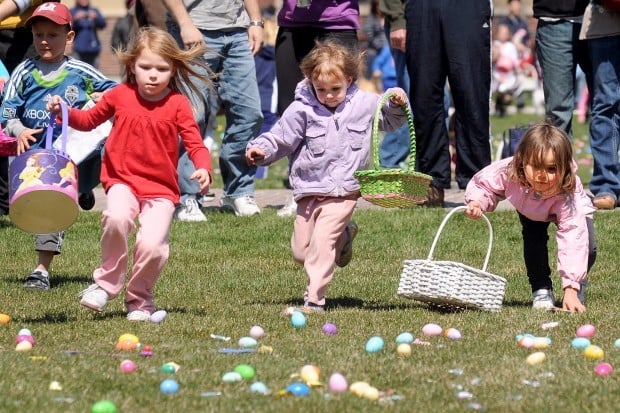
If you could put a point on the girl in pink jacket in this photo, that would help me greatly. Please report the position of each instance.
(540, 181)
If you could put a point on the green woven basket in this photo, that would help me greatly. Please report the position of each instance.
(393, 188)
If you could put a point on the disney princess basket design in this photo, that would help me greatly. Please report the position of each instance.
(396, 187)
(452, 285)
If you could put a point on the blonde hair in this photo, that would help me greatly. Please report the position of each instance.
(328, 59)
(185, 62)
(537, 141)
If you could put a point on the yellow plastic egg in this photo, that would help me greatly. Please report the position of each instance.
(358, 388)
(128, 337)
(535, 358)
(23, 346)
(541, 342)
(403, 350)
(370, 393)
(593, 352)
(310, 374)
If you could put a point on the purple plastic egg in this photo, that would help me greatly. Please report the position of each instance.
(330, 329)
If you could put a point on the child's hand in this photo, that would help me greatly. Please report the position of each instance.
(399, 97)
(203, 178)
(473, 211)
(252, 155)
(24, 139)
(53, 105)
(571, 301)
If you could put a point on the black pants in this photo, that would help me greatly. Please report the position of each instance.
(536, 253)
(292, 45)
(450, 39)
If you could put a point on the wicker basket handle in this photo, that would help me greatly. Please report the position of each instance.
(443, 224)
(375, 133)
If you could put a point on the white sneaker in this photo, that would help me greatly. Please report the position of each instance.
(139, 315)
(543, 299)
(244, 206)
(94, 297)
(289, 209)
(189, 211)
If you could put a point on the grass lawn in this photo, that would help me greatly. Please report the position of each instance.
(228, 274)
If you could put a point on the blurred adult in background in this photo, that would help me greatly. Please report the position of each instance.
(372, 36)
(559, 51)
(449, 39)
(15, 46)
(300, 24)
(124, 27)
(601, 31)
(87, 20)
(518, 26)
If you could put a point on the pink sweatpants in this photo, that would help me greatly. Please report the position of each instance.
(150, 251)
(318, 238)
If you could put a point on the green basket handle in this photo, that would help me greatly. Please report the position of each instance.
(375, 133)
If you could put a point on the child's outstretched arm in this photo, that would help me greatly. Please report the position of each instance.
(254, 154)
(474, 210)
(571, 301)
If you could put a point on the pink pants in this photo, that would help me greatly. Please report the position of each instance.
(150, 251)
(318, 238)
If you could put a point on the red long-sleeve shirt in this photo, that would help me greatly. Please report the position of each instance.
(142, 150)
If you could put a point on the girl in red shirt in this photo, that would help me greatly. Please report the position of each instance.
(139, 165)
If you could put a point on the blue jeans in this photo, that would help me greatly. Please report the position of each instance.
(229, 55)
(559, 51)
(605, 124)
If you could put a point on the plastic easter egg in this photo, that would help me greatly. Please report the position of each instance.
(5, 318)
(535, 358)
(158, 316)
(406, 338)
(55, 386)
(169, 386)
(337, 383)
(370, 393)
(231, 377)
(526, 342)
(128, 366)
(24, 332)
(403, 350)
(329, 329)
(542, 342)
(374, 344)
(358, 388)
(259, 387)
(452, 334)
(24, 337)
(298, 319)
(103, 406)
(247, 342)
(129, 337)
(617, 343)
(126, 345)
(246, 371)
(580, 343)
(310, 374)
(23, 346)
(603, 369)
(593, 352)
(257, 332)
(586, 330)
(298, 389)
(169, 368)
(432, 329)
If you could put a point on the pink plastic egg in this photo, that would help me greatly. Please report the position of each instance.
(586, 330)
(24, 337)
(257, 332)
(431, 329)
(128, 366)
(603, 369)
(337, 383)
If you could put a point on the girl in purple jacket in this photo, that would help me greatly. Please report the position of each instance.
(326, 133)
(540, 181)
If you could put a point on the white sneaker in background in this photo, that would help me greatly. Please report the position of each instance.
(94, 297)
(543, 299)
(139, 315)
(289, 209)
(189, 211)
(244, 206)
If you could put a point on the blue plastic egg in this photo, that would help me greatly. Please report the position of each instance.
(298, 319)
(259, 387)
(617, 343)
(374, 344)
(169, 386)
(580, 343)
(404, 338)
(298, 389)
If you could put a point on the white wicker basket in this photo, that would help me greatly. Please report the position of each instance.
(452, 284)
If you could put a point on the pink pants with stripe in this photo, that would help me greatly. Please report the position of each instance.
(150, 251)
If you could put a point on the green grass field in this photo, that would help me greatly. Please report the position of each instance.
(228, 274)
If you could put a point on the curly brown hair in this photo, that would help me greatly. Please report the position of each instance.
(537, 141)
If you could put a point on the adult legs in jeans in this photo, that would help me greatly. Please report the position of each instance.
(559, 51)
(4, 185)
(229, 55)
(605, 124)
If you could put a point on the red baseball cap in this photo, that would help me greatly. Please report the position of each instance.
(56, 12)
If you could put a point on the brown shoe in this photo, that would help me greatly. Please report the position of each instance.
(435, 197)
(604, 202)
